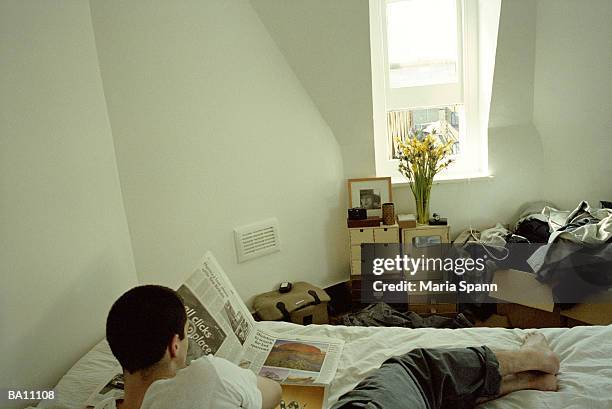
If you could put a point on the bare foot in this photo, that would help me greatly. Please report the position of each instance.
(534, 355)
(535, 340)
(538, 381)
(528, 380)
(547, 382)
(537, 348)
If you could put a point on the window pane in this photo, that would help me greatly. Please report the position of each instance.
(444, 120)
(422, 42)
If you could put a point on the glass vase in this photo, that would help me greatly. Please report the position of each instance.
(422, 205)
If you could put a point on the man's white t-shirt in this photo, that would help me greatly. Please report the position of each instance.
(207, 383)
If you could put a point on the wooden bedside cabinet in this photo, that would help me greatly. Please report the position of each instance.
(420, 237)
(362, 235)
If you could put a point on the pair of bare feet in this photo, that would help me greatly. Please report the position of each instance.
(533, 366)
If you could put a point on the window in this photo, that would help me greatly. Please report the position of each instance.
(425, 78)
(418, 52)
(444, 122)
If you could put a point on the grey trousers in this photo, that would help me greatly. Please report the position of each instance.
(428, 379)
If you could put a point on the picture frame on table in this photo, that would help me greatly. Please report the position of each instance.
(370, 193)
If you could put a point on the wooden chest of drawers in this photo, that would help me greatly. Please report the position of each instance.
(364, 235)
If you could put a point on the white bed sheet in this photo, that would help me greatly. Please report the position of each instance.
(585, 379)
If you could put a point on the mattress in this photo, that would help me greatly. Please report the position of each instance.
(584, 380)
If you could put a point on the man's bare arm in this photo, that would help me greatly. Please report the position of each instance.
(270, 392)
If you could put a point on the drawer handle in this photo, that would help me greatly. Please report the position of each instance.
(361, 230)
(385, 229)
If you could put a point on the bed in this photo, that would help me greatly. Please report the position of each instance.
(585, 378)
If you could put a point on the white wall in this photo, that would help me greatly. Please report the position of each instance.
(213, 130)
(512, 100)
(65, 251)
(572, 100)
(327, 44)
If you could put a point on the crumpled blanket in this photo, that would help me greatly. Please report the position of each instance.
(574, 270)
(579, 263)
(382, 315)
(584, 224)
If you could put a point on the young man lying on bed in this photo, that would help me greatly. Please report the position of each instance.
(146, 330)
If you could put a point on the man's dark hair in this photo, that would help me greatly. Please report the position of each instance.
(141, 324)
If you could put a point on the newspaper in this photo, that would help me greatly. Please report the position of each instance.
(222, 325)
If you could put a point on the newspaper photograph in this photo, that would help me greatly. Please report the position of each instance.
(221, 324)
(297, 360)
(303, 356)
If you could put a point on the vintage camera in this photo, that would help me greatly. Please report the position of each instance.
(357, 213)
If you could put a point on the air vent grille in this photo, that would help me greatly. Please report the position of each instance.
(257, 239)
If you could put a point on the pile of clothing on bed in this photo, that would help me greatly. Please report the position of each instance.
(569, 250)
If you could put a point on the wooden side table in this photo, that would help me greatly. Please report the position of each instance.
(420, 237)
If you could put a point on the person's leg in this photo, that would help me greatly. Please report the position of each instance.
(428, 379)
(388, 387)
(457, 378)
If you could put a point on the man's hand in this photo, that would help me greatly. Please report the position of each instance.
(270, 392)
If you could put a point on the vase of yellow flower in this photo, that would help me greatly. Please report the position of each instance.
(421, 157)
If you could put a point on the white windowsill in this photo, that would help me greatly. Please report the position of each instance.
(403, 182)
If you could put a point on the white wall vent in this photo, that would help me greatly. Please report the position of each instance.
(257, 239)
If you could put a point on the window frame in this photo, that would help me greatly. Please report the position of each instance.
(473, 160)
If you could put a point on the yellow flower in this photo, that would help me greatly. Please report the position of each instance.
(423, 156)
